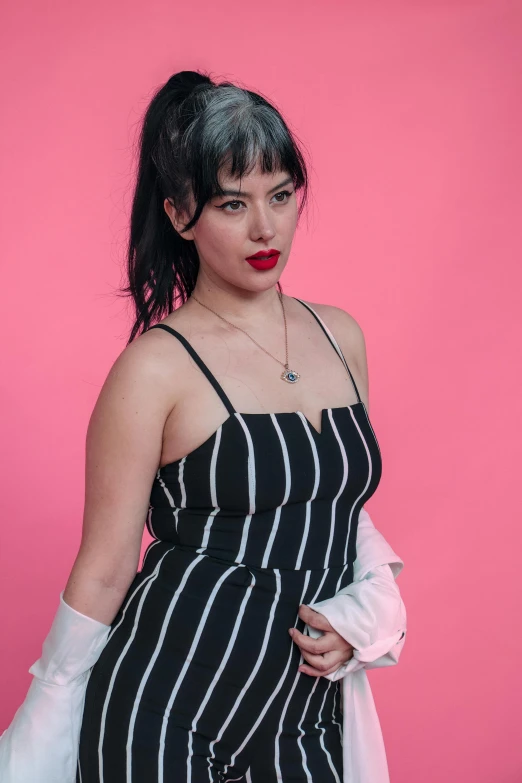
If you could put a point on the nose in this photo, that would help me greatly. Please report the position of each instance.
(262, 224)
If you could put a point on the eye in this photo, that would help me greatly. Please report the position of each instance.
(228, 203)
(285, 193)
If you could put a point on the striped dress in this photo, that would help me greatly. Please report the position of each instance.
(199, 679)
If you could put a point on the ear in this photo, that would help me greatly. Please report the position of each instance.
(177, 219)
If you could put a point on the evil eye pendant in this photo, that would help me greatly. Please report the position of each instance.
(290, 375)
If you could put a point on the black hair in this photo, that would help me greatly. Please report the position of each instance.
(191, 129)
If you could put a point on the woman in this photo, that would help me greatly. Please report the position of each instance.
(237, 428)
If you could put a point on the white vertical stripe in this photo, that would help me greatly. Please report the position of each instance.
(149, 515)
(338, 693)
(288, 481)
(277, 688)
(321, 583)
(213, 464)
(181, 480)
(187, 663)
(251, 488)
(334, 505)
(308, 508)
(149, 549)
(149, 581)
(169, 496)
(150, 666)
(354, 504)
(301, 732)
(277, 763)
(218, 673)
(321, 738)
(341, 488)
(213, 491)
(253, 673)
(181, 471)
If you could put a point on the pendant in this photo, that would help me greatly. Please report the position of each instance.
(290, 375)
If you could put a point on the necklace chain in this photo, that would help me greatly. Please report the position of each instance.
(287, 375)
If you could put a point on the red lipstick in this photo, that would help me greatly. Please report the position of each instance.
(264, 259)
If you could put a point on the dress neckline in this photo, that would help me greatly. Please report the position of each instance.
(233, 414)
(316, 434)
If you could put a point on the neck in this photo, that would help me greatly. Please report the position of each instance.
(238, 305)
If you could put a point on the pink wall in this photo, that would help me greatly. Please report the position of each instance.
(412, 114)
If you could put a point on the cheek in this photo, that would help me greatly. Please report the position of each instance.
(289, 216)
(220, 234)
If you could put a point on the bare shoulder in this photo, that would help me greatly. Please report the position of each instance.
(347, 331)
(141, 369)
(124, 436)
(156, 361)
(140, 390)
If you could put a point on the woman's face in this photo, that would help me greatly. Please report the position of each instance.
(262, 217)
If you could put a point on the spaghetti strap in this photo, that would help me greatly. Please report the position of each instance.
(333, 341)
(201, 364)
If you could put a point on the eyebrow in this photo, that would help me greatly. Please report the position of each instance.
(229, 192)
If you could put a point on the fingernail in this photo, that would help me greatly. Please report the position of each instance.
(291, 631)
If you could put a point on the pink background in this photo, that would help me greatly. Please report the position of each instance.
(412, 114)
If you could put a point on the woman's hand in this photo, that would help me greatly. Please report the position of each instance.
(324, 655)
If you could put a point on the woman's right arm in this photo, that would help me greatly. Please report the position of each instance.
(123, 451)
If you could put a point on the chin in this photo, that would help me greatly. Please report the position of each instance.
(264, 281)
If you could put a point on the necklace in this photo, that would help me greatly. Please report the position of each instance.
(287, 375)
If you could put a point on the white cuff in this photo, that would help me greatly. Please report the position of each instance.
(72, 646)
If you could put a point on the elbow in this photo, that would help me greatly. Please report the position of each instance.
(96, 590)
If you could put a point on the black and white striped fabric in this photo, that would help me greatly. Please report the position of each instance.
(199, 679)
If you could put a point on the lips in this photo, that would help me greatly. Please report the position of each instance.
(263, 254)
(266, 259)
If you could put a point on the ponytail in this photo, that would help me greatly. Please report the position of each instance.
(162, 267)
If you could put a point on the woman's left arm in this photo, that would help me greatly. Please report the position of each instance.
(371, 616)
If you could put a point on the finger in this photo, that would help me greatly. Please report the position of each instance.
(323, 663)
(329, 642)
(317, 646)
(306, 669)
(313, 618)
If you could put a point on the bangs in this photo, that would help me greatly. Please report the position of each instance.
(254, 145)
